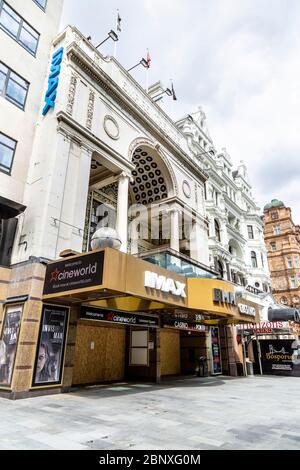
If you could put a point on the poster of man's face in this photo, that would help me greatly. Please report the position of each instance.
(9, 343)
(50, 351)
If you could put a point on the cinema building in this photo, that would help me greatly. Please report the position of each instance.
(110, 276)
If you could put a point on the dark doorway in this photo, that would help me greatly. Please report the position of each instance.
(192, 346)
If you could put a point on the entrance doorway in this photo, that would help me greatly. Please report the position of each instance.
(192, 346)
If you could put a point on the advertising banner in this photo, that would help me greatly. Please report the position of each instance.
(277, 356)
(116, 316)
(216, 351)
(51, 346)
(9, 342)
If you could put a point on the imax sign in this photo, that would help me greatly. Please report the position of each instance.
(164, 284)
(53, 80)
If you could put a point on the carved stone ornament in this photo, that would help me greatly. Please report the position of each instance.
(111, 127)
(90, 110)
(71, 94)
(186, 189)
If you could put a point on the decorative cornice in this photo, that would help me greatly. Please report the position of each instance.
(78, 56)
(72, 128)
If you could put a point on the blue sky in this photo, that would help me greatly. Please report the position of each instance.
(237, 59)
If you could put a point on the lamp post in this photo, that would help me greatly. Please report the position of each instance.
(142, 62)
(111, 35)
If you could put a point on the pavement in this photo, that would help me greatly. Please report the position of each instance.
(260, 412)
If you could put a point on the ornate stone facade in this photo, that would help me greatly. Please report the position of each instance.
(282, 239)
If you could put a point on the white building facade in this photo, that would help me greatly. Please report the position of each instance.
(27, 30)
(236, 242)
(108, 144)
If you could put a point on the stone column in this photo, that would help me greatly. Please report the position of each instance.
(174, 236)
(122, 211)
(134, 237)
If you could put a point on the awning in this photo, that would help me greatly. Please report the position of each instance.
(10, 209)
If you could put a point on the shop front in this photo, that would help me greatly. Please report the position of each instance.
(107, 316)
(273, 347)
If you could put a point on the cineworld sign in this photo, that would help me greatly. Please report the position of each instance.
(80, 272)
(53, 80)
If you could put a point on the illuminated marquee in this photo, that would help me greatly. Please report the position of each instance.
(53, 80)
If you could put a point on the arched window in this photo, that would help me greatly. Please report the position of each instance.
(217, 230)
(253, 259)
(220, 269)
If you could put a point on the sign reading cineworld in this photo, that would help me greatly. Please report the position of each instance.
(53, 80)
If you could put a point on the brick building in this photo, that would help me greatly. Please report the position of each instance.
(282, 238)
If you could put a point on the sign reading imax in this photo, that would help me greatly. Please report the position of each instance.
(53, 80)
(164, 284)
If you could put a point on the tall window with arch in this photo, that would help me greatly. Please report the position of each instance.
(253, 259)
(217, 231)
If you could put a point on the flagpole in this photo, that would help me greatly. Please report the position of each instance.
(115, 43)
(147, 79)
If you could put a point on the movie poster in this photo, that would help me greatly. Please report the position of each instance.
(51, 346)
(216, 351)
(9, 343)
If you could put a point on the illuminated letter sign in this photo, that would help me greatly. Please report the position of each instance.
(164, 284)
(53, 80)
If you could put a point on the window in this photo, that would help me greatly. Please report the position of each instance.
(274, 215)
(298, 278)
(277, 229)
(41, 3)
(293, 282)
(250, 232)
(262, 260)
(253, 259)
(289, 262)
(12, 86)
(273, 246)
(296, 261)
(7, 152)
(217, 231)
(17, 28)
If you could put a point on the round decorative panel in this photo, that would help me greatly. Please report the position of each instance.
(111, 127)
(186, 189)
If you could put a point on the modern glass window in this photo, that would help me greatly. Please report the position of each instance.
(17, 28)
(296, 261)
(250, 232)
(253, 259)
(7, 152)
(277, 229)
(12, 86)
(293, 282)
(289, 262)
(273, 246)
(41, 3)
